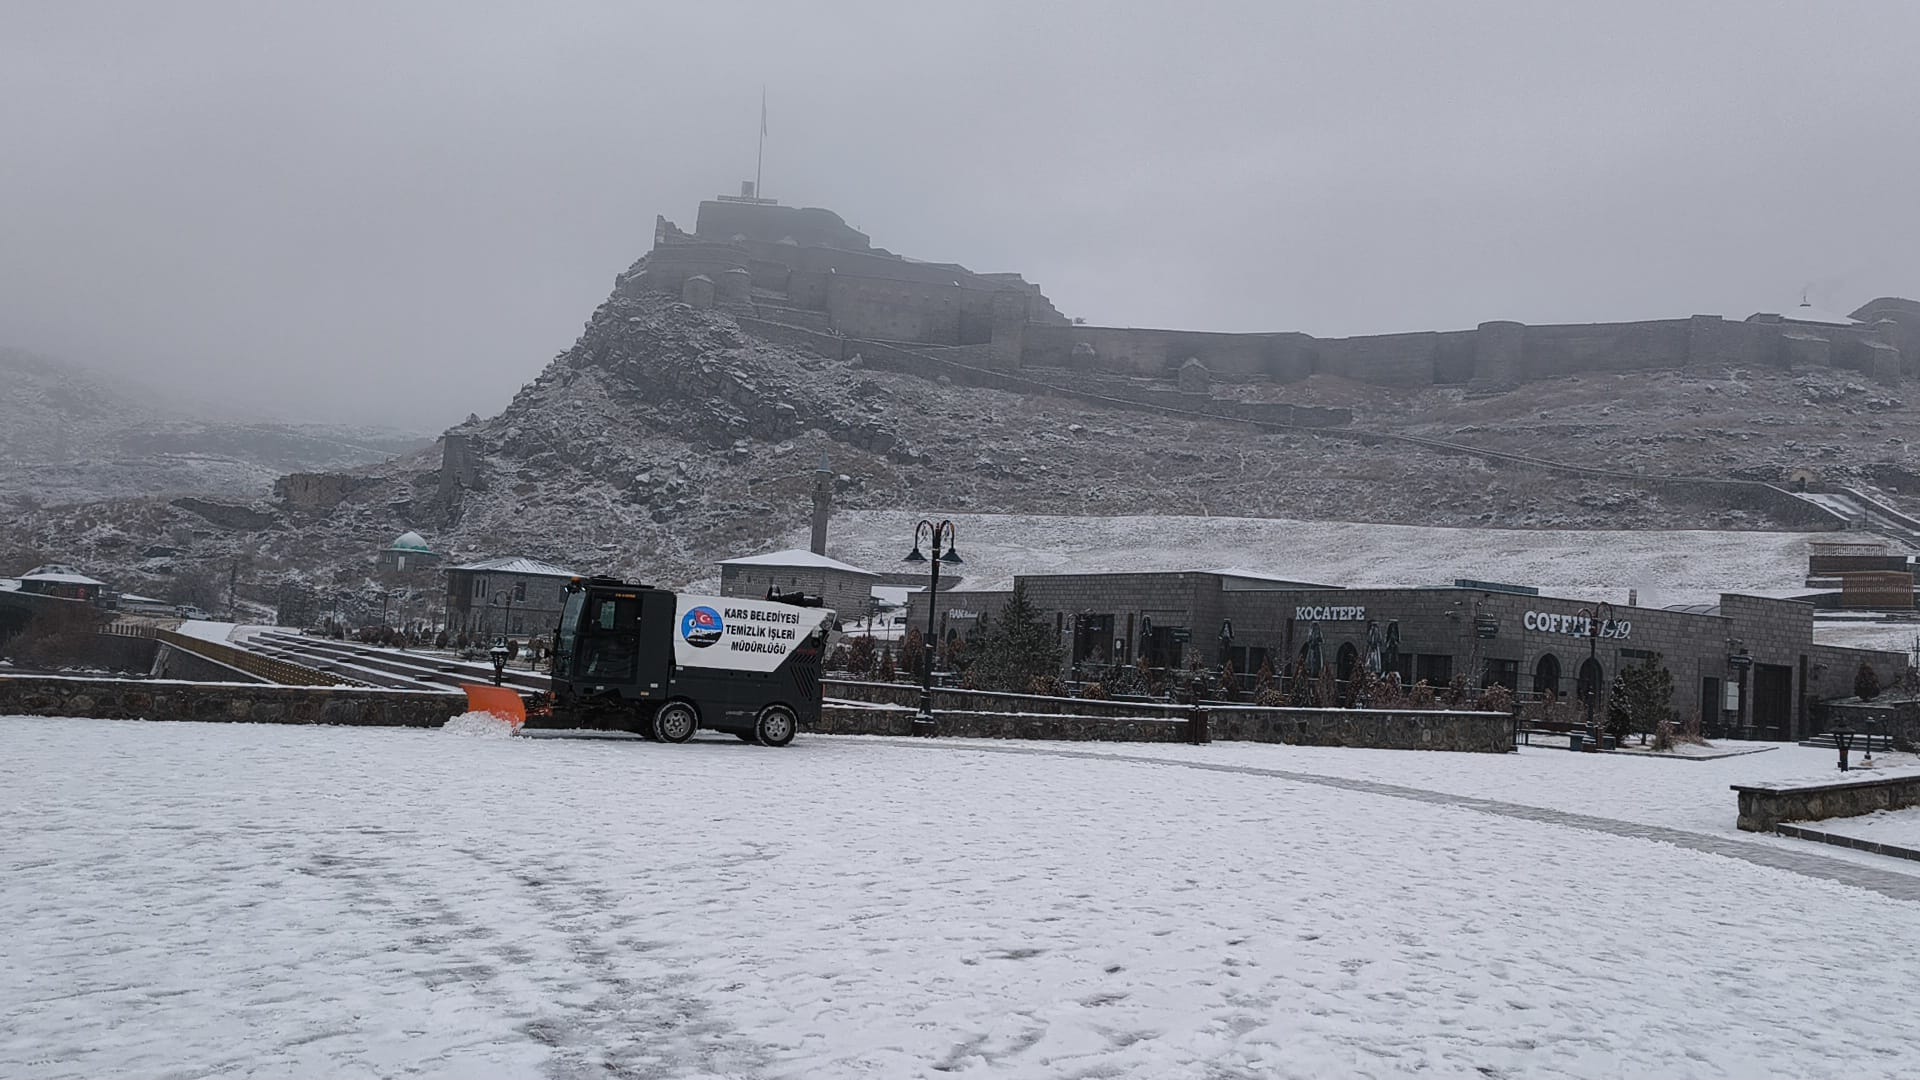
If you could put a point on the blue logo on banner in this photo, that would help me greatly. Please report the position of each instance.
(702, 627)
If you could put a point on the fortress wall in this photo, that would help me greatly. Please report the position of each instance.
(669, 266)
(767, 222)
(768, 273)
(1387, 359)
(894, 310)
(1158, 353)
(865, 264)
(1714, 342)
(1573, 349)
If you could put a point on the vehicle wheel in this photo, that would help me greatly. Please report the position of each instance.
(675, 722)
(776, 726)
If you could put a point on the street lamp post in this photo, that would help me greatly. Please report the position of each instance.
(938, 537)
(1596, 617)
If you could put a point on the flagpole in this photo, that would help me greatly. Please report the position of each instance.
(760, 154)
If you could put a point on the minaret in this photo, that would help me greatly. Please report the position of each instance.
(822, 505)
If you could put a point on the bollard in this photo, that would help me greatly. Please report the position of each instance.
(1197, 733)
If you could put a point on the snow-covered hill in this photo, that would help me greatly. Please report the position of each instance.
(69, 435)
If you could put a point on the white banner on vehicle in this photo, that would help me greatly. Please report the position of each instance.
(740, 635)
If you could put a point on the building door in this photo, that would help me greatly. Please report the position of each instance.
(1546, 675)
(1773, 700)
(1710, 694)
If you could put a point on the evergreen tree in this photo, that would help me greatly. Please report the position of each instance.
(1016, 646)
(1642, 699)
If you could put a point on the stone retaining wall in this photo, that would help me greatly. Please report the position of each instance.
(257, 703)
(1763, 806)
(1469, 732)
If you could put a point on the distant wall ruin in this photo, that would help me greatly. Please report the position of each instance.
(316, 491)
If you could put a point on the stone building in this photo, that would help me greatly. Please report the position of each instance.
(512, 595)
(1747, 662)
(845, 588)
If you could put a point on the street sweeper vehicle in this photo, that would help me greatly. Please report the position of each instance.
(664, 665)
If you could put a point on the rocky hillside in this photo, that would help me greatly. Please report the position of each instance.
(667, 438)
(70, 436)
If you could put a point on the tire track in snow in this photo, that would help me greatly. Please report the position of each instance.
(1887, 883)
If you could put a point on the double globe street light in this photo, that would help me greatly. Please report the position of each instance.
(938, 537)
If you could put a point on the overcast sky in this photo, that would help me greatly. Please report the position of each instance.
(399, 212)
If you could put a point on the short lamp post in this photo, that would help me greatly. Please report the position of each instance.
(940, 549)
(1596, 618)
(498, 654)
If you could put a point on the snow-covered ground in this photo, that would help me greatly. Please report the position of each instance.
(1666, 567)
(185, 899)
(208, 629)
(1900, 828)
(1895, 636)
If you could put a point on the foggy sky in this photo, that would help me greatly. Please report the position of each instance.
(399, 213)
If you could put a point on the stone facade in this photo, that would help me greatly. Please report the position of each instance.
(507, 599)
(849, 592)
(1763, 648)
(157, 699)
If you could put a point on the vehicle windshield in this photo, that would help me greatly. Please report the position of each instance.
(569, 627)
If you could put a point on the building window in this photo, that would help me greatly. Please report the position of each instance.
(1501, 673)
(519, 592)
(1432, 669)
(479, 587)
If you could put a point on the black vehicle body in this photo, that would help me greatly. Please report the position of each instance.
(634, 658)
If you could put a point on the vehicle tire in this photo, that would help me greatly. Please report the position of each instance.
(776, 726)
(675, 722)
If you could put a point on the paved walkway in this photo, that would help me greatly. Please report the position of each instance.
(1885, 882)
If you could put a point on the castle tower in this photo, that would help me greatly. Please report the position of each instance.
(822, 506)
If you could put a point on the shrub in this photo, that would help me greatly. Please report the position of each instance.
(887, 671)
(1422, 696)
(1047, 686)
(1269, 698)
(1663, 736)
(861, 654)
(1496, 698)
(1094, 691)
(913, 653)
(1866, 684)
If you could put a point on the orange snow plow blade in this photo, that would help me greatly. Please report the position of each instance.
(503, 702)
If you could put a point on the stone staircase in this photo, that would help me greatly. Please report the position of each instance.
(1862, 742)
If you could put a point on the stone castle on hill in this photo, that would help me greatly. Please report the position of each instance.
(804, 273)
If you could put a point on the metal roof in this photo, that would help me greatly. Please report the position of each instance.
(518, 564)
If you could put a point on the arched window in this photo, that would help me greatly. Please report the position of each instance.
(1546, 674)
(1591, 683)
(1348, 659)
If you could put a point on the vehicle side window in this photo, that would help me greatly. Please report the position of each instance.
(606, 616)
